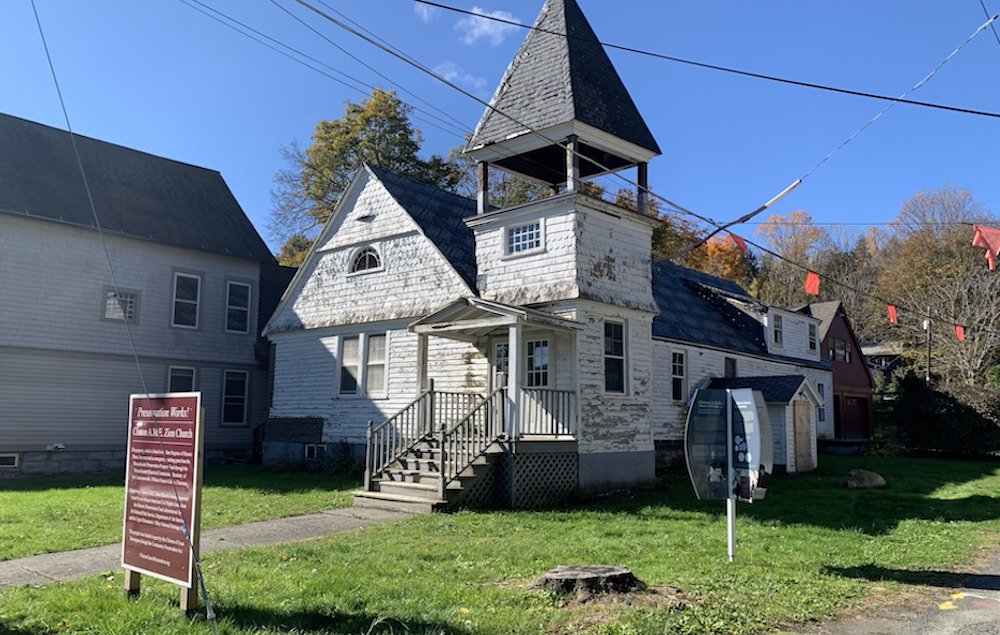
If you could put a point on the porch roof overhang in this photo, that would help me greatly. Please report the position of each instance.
(473, 318)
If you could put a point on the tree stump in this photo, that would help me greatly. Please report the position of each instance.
(586, 581)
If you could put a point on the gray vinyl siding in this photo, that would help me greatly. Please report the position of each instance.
(66, 371)
(54, 278)
(80, 400)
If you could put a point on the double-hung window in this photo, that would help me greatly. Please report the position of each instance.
(538, 363)
(778, 331)
(180, 379)
(235, 386)
(614, 357)
(821, 409)
(363, 364)
(678, 376)
(237, 307)
(187, 297)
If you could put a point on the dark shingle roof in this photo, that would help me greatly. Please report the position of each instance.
(691, 312)
(824, 312)
(777, 389)
(439, 214)
(555, 79)
(136, 194)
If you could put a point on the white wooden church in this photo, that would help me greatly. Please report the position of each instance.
(508, 356)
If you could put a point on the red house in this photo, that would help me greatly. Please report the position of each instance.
(850, 400)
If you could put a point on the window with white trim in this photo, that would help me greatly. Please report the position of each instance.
(363, 363)
(678, 376)
(121, 305)
(614, 357)
(180, 379)
(778, 331)
(315, 451)
(187, 297)
(9, 460)
(538, 363)
(368, 259)
(729, 369)
(524, 238)
(813, 341)
(237, 307)
(821, 409)
(235, 387)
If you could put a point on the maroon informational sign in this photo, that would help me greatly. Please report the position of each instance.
(162, 480)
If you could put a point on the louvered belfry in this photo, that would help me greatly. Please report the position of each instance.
(561, 112)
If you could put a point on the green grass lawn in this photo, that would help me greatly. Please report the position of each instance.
(41, 515)
(809, 550)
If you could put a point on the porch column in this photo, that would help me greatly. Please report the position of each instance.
(514, 380)
(421, 362)
(642, 196)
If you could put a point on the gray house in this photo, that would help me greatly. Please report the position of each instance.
(191, 287)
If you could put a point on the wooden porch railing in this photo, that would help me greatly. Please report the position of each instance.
(469, 439)
(400, 433)
(548, 412)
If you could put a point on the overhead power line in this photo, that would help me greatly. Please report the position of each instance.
(723, 69)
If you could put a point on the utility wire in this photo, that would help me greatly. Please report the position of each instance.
(716, 67)
(264, 39)
(982, 3)
(209, 611)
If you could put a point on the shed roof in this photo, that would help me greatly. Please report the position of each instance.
(776, 389)
(136, 194)
(561, 74)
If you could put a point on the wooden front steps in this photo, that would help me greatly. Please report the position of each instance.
(412, 483)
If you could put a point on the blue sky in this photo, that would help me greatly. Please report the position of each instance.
(164, 78)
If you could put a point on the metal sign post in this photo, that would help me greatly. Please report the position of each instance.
(731, 478)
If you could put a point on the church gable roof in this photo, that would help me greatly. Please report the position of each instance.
(561, 74)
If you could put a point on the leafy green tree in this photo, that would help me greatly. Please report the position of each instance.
(377, 130)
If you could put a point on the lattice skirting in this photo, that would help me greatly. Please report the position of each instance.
(543, 478)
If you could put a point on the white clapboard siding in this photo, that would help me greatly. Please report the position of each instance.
(614, 259)
(415, 278)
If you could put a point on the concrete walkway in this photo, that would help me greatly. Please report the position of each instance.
(67, 565)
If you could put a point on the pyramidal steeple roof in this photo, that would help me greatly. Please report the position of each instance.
(562, 74)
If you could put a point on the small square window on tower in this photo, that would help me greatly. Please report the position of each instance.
(524, 238)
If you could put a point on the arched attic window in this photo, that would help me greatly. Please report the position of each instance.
(366, 259)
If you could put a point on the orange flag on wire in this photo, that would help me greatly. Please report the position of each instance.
(742, 244)
(812, 283)
(892, 313)
(960, 332)
(988, 238)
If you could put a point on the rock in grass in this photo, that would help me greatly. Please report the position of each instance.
(862, 479)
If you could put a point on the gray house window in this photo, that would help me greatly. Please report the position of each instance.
(235, 384)
(180, 379)
(778, 331)
(187, 296)
(121, 305)
(614, 357)
(9, 460)
(237, 307)
(812, 337)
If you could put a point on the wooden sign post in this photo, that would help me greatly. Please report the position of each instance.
(163, 479)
